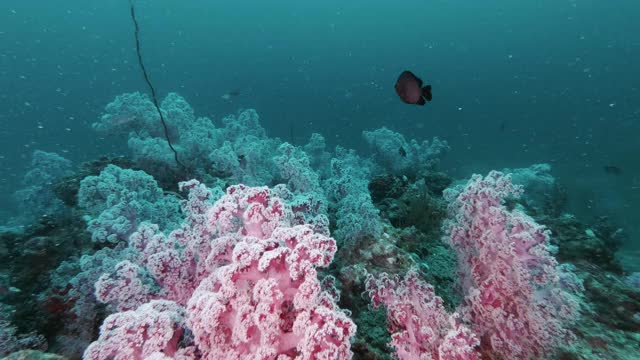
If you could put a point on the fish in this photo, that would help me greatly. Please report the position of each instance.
(612, 170)
(242, 161)
(409, 88)
(230, 94)
(402, 152)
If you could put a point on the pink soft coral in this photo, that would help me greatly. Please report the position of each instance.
(420, 326)
(268, 302)
(512, 284)
(244, 279)
(151, 331)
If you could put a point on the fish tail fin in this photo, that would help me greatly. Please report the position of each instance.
(426, 92)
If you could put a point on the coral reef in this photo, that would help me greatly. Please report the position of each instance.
(301, 252)
(236, 275)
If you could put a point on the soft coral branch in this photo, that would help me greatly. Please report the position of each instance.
(514, 297)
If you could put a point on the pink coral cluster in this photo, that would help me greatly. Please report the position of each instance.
(514, 297)
(239, 278)
(420, 326)
(248, 211)
(153, 331)
(518, 300)
(271, 294)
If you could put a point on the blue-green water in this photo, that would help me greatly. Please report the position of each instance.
(515, 83)
(560, 75)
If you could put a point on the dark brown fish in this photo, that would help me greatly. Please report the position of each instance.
(612, 170)
(402, 152)
(409, 88)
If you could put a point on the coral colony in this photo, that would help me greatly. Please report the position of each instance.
(261, 249)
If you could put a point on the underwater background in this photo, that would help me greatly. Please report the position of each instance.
(515, 85)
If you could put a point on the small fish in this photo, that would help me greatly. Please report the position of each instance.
(230, 94)
(612, 170)
(242, 160)
(402, 152)
(409, 89)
